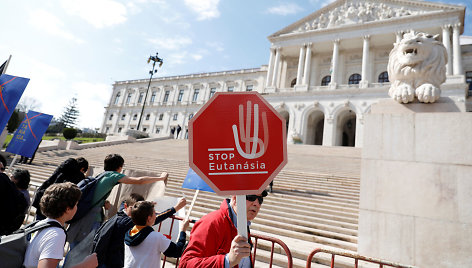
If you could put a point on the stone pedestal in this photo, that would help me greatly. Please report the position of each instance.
(416, 184)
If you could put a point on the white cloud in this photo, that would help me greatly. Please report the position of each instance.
(170, 43)
(91, 98)
(197, 57)
(206, 9)
(47, 22)
(99, 13)
(176, 20)
(285, 9)
(218, 46)
(183, 57)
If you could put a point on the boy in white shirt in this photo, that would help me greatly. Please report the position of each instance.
(46, 247)
(143, 245)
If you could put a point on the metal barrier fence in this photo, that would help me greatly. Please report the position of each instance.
(274, 241)
(168, 235)
(356, 258)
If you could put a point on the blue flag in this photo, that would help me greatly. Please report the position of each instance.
(29, 134)
(193, 181)
(11, 89)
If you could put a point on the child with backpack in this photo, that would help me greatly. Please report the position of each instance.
(109, 239)
(46, 246)
(113, 166)
(143, 245)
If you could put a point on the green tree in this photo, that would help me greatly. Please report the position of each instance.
(70, 115)
(69, 133)
(14, 121)
(55, 126)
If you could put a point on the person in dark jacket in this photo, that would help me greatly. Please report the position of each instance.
(13, 206)
(143, 246)
(109, 239)
(21, 178)
(68, 171)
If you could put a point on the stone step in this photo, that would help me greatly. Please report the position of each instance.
(315, 201)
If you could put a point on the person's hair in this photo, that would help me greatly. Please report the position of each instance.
(141, 211)
(21, 178)
(113, 162)
(3, 160)
(58, 197)
(67, 171)
(83, 163)
(133, 198)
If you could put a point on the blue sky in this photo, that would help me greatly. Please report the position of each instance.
(80, 48)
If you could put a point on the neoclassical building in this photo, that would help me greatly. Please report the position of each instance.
(324, 73)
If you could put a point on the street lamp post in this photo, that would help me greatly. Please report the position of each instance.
(154, 59)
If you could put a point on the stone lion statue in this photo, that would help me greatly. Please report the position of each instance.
(416, 68)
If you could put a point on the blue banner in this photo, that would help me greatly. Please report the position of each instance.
(29, 134)
(11, 89)
(193, 181)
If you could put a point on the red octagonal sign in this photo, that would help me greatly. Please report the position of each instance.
(237, 143)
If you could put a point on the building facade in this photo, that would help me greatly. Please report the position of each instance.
(324, 73)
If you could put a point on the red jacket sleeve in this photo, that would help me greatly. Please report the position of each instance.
(210, 240)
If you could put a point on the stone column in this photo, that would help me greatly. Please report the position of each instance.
(307, 71)
(334, 64)
(359, 130)
(153, 127)
(270, 69)
(329, 130)
(300, 65)
(167, 127)
(456, 46)
(365, 62)
(446, 38)
(206, 92)
(160, 98)
(276, 68)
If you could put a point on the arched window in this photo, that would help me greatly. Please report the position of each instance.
(128, 99)
(141, 96)
(354, 79)
(117, 98)
(383, 77)
(326, 80)
(293, 83)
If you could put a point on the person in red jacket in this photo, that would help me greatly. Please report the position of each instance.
(214, 240)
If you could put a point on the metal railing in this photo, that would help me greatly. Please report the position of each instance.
(168, 235)
(256, 238)
(354, 256)
(274, 241)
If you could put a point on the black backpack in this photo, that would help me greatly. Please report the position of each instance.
(13, 247)
(87, 187)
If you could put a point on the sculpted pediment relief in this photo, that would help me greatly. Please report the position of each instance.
(349, 12)
(357, 12)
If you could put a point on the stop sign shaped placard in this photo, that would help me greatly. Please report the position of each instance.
(237, 143)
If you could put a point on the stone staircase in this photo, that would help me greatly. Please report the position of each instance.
(314, 204)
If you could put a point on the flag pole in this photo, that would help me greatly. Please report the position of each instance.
(6, 65)
(13, 162)
(241, 215)
(191, 205)
(5, 129)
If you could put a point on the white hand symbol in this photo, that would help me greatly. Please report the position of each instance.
(245, 133)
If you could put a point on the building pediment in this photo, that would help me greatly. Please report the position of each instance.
(349, 12)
